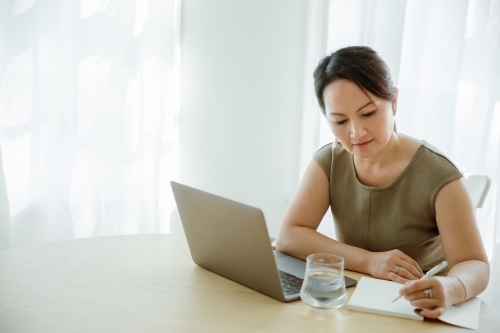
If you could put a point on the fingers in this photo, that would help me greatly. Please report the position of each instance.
(394, 265)
(408, 272)
(432, 313)
(411, 267)
(420, 295)
(428, 294)
(397, 278)
(431, 307)
(413, 272)
(417, 288)
(404, 267)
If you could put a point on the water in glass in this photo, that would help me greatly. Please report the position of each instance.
(323, 288)
(324, 285)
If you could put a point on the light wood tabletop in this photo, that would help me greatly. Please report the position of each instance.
(148, 283)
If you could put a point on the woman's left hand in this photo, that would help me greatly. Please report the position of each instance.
(433, 295)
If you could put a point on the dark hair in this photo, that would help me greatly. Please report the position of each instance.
(358, 64)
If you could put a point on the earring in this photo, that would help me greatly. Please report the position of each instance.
(395, 126)
(335, 143)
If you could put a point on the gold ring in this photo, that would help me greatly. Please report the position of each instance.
(396, 270)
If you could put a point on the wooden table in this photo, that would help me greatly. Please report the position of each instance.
(148, 283)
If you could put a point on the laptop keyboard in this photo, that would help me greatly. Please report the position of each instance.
(290, 283)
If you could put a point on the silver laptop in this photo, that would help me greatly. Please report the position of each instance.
(231, 239)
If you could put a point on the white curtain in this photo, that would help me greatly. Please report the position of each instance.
(89, 101)
(444, 56)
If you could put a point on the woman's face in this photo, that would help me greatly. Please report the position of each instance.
(362, 126)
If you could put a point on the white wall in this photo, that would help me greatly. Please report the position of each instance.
(242, 83)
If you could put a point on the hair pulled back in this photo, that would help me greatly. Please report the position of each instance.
(358, 64)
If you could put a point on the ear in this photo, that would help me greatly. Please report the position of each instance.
(394, 102)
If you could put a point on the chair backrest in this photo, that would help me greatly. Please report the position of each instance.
(478, 187)
(4, 210)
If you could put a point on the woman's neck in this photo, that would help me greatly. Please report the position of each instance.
(384, 158)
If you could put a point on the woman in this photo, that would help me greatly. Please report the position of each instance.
(400, 207)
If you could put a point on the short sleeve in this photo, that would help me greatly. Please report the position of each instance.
(324, 158)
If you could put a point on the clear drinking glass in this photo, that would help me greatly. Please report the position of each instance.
(324, 284)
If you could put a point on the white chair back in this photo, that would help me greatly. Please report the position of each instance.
(4, 211)
(478, 187)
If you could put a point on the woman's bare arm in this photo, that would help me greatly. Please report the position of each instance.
(463, 249)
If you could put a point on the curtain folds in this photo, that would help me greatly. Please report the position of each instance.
(89, 101)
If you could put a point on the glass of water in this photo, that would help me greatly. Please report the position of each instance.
(324, 285)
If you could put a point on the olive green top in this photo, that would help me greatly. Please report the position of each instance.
(400, 216)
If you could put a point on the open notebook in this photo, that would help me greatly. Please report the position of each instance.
(376, 296)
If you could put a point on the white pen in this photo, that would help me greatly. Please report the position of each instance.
(433, 271)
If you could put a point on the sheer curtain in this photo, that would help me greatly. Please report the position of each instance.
(89, 101)
(444, 58)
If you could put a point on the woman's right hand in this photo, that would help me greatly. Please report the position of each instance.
(393, 265)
